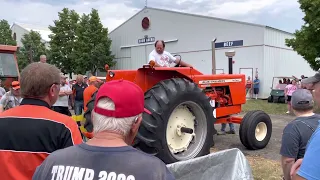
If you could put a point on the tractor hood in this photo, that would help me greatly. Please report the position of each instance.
(147, 77)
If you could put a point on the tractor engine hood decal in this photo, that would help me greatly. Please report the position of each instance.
(219, 81)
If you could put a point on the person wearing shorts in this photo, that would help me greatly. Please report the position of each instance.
(290, 88)
(248, 85)
(256, 87)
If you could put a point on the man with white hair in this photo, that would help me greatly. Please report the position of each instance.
(116, 118)
(43, 59)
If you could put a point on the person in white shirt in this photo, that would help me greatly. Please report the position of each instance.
(62, 104)
(11, 98)
(163, 58)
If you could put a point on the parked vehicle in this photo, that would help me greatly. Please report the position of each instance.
(277, 89)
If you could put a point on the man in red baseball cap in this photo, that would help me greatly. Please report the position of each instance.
(116, 118)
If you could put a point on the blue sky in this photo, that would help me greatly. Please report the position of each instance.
(281, 14)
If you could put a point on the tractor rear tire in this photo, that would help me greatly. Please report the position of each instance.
(255, 130)
(159, 131)
(270, 99)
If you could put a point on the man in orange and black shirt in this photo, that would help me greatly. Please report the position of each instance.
(31, 131)
(94, 83)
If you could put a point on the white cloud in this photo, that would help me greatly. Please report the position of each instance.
(282, 6)
(230, 9)
(114, 13)
(38, 13)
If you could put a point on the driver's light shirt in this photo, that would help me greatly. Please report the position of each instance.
(164, 59)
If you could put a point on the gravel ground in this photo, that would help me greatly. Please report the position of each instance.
(271, 151)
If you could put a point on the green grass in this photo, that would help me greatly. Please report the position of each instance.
(269, 108)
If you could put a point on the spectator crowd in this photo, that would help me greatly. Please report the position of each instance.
(40, 140)
(301, 138)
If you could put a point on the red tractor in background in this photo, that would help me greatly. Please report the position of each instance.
(184, 105)
(9, 70)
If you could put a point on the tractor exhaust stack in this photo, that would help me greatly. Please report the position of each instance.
(230, 55)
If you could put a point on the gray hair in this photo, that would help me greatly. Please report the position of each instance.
(103, 123)
(43, 56)
(37, 78)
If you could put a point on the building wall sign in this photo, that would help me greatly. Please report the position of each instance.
(229, 44)
(146, 39)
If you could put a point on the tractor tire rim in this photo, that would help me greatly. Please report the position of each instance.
(261, 131)
(183, 145)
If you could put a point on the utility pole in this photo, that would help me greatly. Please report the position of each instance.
(213, 48)
(146, 5)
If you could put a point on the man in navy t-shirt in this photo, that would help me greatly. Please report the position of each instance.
(256, 87)
(309, 166)
(116, 119)
(297, 133)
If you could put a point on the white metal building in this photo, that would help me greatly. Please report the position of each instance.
(19, 29)
(259, 49)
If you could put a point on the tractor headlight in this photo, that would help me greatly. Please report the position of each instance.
(111, 74)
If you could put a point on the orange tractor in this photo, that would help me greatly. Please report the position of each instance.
(9, 70)
(184, 105)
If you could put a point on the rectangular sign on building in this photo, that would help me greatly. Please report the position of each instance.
(146, 40)
(229, 44)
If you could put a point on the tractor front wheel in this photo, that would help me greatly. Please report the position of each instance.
(255, 130)
(180, 126)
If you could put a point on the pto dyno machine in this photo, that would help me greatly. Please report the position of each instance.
(184, 105)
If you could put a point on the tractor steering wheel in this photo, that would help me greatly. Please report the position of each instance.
(178, 64)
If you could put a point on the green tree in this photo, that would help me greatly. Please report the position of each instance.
(32, 48)
(93, 45)
(6, 34)
(307, 40)
(82, 45)
(63, 39)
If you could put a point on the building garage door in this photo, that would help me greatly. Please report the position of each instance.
(138, 57)
(219, 71)
(246, 71)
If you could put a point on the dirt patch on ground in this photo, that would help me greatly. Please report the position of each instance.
(271, 151)
(265, 169)
(265, 163)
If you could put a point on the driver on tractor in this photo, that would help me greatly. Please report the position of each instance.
(163, 58)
